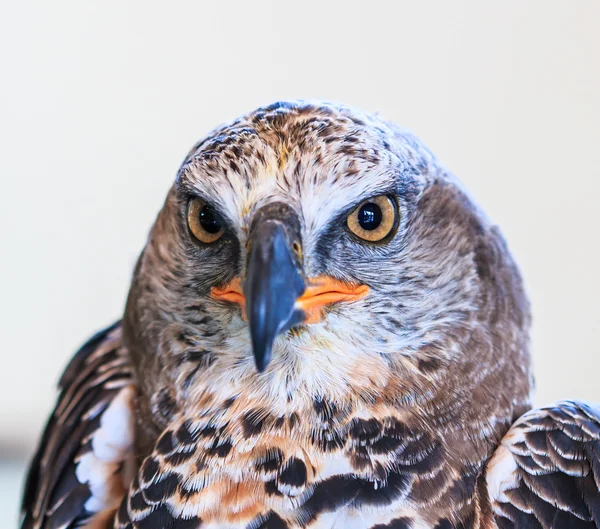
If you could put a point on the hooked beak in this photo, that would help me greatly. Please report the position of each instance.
(274, 296)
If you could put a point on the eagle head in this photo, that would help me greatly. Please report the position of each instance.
(310, 253)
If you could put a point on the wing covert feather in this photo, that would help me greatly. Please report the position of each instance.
(85, 457)
(546, 473)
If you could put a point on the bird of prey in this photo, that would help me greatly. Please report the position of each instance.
(322, 331)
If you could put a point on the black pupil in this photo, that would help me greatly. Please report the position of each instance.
(369, 216)
(209, 221)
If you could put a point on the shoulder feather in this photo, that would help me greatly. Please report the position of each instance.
(546, 472)
(85, 458)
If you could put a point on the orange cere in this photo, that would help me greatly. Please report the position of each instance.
(321, 292)
(325, 290)
(233, 292)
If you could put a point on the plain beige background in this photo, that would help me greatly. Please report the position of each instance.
(100, 101)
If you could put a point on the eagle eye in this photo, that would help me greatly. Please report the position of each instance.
(203, 221)
(374, 219)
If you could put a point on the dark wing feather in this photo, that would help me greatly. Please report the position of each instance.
(546, 473)
(81, 465)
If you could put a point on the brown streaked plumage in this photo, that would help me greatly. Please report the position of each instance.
(367, 384)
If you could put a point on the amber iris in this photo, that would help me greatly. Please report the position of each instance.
(204, 222)
(374, 219)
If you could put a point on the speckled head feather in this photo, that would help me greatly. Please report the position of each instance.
(445, 322)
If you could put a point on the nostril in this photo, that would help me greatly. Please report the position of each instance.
(297, 249)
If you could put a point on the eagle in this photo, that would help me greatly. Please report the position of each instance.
(322, 331)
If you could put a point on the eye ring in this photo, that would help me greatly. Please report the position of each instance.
(204, 223)
(374, 219)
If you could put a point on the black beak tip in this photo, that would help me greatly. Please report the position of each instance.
(262, 357)
(260, 367)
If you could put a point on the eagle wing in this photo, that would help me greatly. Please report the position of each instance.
(546, 472)
(85, 459)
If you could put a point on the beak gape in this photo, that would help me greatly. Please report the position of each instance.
(275, 297)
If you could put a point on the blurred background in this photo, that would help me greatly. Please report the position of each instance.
(100, 102)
